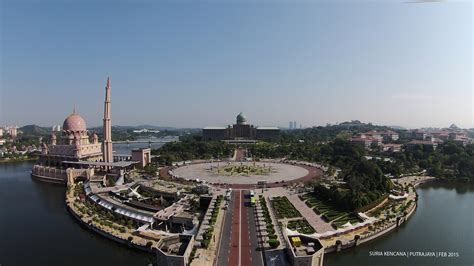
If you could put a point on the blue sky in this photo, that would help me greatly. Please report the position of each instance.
(192, 64)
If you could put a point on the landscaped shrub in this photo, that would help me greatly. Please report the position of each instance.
(192, 255)
(205, 243)
(272, 236)
(270, 230)
(274, 243)
(301, 226)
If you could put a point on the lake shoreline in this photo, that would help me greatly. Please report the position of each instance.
(4, 161)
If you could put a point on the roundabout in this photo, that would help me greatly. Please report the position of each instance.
(245, 174)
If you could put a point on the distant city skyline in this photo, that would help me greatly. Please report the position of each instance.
(194, 64)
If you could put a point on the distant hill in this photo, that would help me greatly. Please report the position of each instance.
(99, 128)
(155, 127)
(397, 127)
(35, 130)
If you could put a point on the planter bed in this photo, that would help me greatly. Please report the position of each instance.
(284, 209)
(301, 226)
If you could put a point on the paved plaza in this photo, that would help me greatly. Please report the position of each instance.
(279, 172)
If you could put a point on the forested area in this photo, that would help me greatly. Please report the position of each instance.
(192, 148)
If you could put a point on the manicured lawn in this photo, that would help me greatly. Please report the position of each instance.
(284, 209)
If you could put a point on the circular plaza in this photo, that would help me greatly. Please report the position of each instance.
(246, 173)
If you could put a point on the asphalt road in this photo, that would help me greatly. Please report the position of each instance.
(224, 245)
(239, 244)
(255, 253)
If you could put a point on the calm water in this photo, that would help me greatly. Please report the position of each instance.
(126, 148)
(443, 222)
(35, 229)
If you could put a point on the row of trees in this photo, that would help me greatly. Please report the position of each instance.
(329, 145)
(192, 148)
(365, 181)
(449, 160)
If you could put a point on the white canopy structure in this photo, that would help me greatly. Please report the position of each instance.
(345, 228)
(398, 197)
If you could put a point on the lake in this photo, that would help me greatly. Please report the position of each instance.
(35, 228)
(443, 222)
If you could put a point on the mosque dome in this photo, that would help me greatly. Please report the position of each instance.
(74, 123)
(241, 119)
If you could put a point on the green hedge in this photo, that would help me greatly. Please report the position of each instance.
(274, 243)
(284, 208)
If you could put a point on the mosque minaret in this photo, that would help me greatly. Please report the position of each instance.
(75, 145)
(107, 127)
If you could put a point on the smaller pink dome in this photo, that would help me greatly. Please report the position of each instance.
(74, 123)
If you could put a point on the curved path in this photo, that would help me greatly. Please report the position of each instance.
(313, 172)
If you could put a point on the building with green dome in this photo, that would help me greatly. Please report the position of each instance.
(241, 130)
(241, 119)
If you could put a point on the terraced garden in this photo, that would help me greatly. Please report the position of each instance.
(328, 212)
(284, 209)
(390, 208)
(301, 226)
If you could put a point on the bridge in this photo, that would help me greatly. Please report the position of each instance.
(144, 141)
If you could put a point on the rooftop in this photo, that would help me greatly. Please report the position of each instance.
(175, 245)
(422, 142)
(174, 209)
(303, 245)
(268, 128)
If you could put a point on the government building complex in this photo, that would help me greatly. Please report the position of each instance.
(241, 130)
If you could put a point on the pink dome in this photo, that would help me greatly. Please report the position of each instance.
(74, 123)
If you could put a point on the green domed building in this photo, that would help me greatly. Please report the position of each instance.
(241, 119)
(241, 130)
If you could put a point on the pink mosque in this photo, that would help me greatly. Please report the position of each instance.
(76, 145)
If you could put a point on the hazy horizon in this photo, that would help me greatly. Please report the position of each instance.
(196, 64)
(225, 125)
